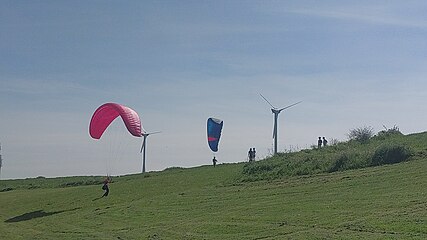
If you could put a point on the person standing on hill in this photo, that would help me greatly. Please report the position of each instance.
(325, 142)
(319, 143)
(253, 154)
(105, 187)
(214, 161)
(250, 154)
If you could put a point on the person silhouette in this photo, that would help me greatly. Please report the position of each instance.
(319, 143)
(253, 154)
(105, 187)
(214, 161)
(325, 142)
(250, 153)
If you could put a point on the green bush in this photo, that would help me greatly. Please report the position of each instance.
(339, 163)
(289, 165)
(262, 170)
(361, 134)
(6, 189)
(389, 154)
(388, 132)
(257, 168)
(81, 183)
(351, 159)
(339, 157)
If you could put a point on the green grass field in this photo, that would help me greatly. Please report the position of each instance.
(227, 202)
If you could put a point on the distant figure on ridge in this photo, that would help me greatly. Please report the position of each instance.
(253, 154)
(319, 143)
(325, 142)
(250, 153)
(105, 187)
(214, 161)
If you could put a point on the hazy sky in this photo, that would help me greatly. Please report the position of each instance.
(352, 63)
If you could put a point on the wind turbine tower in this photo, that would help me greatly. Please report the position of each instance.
(276, 112)
(143, 147)
(1, 161)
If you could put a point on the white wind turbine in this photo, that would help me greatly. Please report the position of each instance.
(276, 113)
(143, 147)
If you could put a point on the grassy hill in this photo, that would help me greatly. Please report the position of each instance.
(339, 192)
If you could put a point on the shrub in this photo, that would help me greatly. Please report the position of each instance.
(81, 183)
(350, 159)
(257, 168)
(6, 189)
(267, 170)
(174, 168)
(333, 141)
(339, 163)
(389, 132)
(361, 134)
(389, 154)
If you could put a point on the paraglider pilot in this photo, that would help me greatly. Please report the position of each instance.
(214, 161)
(105, 187)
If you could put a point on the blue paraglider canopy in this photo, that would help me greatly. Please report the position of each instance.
(214, 128)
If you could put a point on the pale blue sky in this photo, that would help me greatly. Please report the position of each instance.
(352, 63)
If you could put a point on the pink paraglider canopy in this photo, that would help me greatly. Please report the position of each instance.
(106, 113)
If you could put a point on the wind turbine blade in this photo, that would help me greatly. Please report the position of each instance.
(153, 133)
(273, 132)
(267, 101)
(289, 106)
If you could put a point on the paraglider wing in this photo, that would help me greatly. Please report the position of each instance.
(106, 113)
(214, 133)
